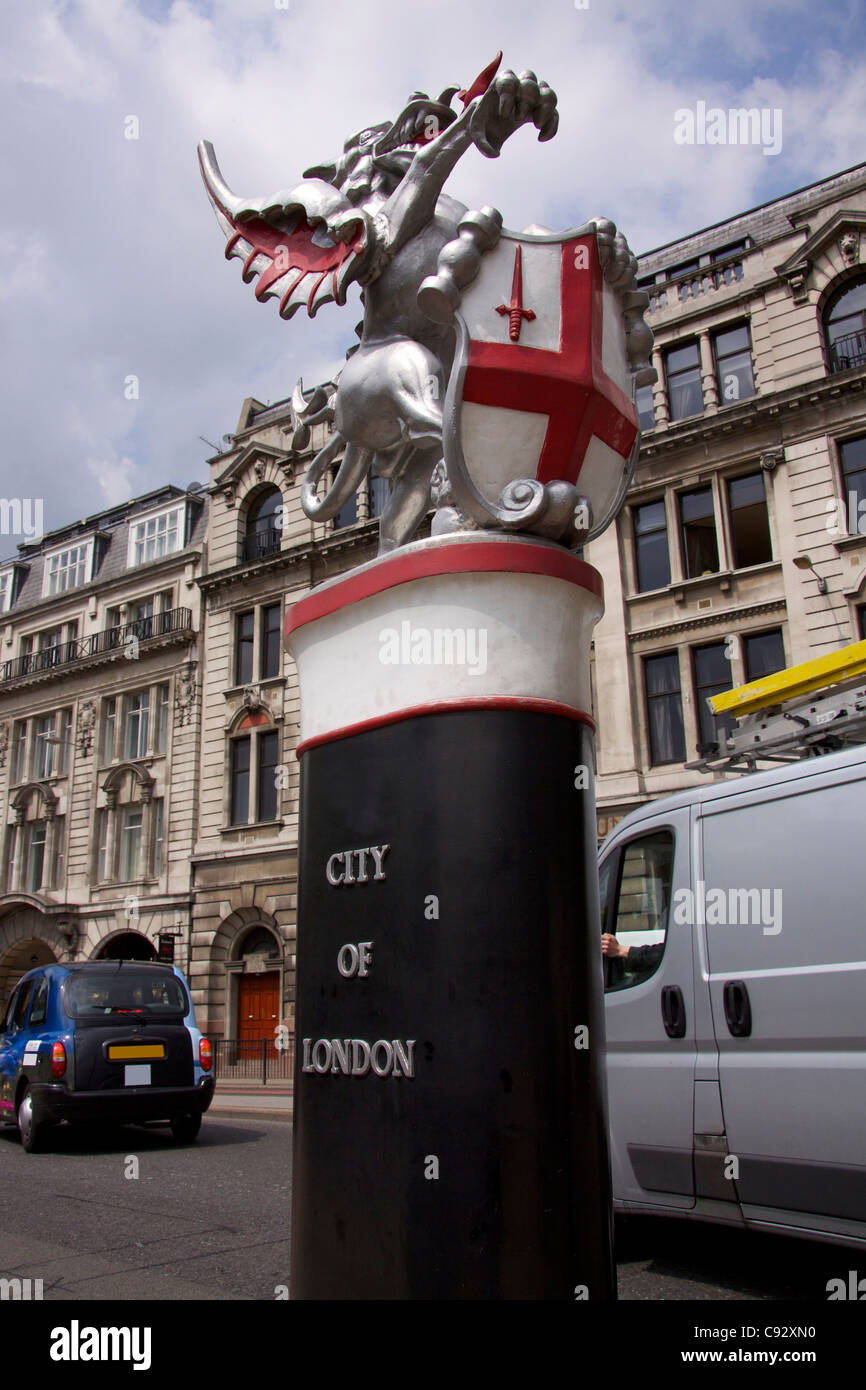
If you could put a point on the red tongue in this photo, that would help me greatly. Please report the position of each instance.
(482, 81)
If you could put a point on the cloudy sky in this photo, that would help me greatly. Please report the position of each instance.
(110, 258)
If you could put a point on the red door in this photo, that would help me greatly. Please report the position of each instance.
(259, 1009)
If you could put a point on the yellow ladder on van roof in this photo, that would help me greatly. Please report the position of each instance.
(793, 683)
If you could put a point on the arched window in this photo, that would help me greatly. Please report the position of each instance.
(845, 326)
(129, 827)
(263, 530)
(34, 842)
(255, 773)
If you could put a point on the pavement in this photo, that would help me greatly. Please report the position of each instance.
(250, 1100)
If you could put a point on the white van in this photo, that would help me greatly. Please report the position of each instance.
(737, 1042)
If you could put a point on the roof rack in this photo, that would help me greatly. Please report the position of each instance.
(804, 711)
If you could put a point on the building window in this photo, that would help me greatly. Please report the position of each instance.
(845, 327)
(380, 491)
(40, 746)
(698, 530)
(128, 729)
(54, 646)
(156, 536)
(129, 829)
(644, 405)
(263, 533)
(712, 668)
(34, 847)
(733, 353)
(240, 774)
(348, 513)
(763, 654)
(258, 642)
(130, 842)
(254, 759)
(270, 641)
(852, 457)
(651, 546)
(136, 724)
(245, 631)
(861, 621)
(683, 375)
(6, 577)
(750, 524)
(65, 569)
(664, 709)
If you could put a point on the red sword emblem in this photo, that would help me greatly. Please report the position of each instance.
(515, 310)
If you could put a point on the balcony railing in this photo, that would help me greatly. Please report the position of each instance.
(257, 544)
(702, 281)
(849, 351)
(110, 639)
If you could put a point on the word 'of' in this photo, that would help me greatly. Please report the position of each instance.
(345, 857)
(355, 1057)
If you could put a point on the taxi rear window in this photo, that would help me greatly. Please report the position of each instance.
(128, 993)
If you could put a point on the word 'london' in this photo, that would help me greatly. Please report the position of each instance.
(355, 1057)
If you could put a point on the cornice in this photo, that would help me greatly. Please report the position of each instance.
(754, 610)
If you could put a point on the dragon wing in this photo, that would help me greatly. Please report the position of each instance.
(306, 246)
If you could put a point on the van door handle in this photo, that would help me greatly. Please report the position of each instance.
(674, 1011)
(738, 1009)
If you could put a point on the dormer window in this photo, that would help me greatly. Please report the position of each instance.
(156, 535)
(67, 568)
(6, 577)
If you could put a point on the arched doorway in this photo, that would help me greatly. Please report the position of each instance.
(23, 956)
(127, 945)
(28, 938)
(258, 992)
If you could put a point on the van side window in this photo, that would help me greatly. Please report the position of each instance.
(40, 1003)
(640, 920)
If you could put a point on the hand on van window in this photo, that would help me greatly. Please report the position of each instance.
(611, 947)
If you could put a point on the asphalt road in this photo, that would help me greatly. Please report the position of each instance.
(210, 1221)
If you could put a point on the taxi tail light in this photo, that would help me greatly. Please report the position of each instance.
(58, 1059)
(205, 1054)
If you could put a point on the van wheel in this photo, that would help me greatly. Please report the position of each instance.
(30, 1130)
(185, 1128)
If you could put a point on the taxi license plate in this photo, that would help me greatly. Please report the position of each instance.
(136, 1052)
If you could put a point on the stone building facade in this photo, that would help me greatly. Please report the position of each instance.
(149, 789)
(99, 735)
(742, 547)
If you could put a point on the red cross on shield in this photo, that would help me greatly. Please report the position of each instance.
(541, 386)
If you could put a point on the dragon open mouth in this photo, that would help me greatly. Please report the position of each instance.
(420, 121)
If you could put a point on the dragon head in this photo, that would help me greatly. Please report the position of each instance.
(377, 158)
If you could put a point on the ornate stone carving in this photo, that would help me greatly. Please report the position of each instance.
(85, 727)
(849, 247)
(184, 694)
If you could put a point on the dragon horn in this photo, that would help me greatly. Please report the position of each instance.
(220, 194)
(482, 81)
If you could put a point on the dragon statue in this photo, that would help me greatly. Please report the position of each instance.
(378, 216)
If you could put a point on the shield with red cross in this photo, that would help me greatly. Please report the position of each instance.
(541, 387)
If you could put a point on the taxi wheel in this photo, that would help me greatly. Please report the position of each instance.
(185, 1129)
(31, 1132)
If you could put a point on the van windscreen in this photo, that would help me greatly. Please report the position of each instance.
(130, 991)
